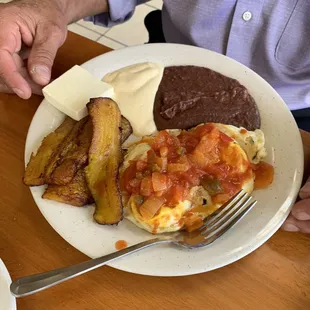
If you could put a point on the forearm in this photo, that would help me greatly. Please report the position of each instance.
(74, 10)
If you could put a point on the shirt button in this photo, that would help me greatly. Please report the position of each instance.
(247, 16)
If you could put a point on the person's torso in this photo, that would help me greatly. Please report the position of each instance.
(270, 36)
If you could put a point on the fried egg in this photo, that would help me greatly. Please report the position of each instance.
(244, 148)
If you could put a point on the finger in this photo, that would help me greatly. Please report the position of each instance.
(10, 75)
(5, 89)
(35, 88)
(294, 225)
(305, 191)
(18, 61)
(8, 69)
(24, 52)
(301, 210)
(47, 41)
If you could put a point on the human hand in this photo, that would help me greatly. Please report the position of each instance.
(299, 219)
(39, 25)
(22, 69)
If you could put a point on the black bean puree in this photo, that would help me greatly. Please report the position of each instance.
(189, 95)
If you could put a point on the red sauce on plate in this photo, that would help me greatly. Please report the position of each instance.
(264, 174)
(121, 244)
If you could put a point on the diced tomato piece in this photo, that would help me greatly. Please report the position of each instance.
(163, 151)
(161, 140)
(192, 177)
(146, 187)
(212, 157)
(159, 181)
(154, 162)
(188, 141)
(128, 175)
(198, 159)
(162, 163)
(151, 206)
(146, 173)
(183, 159)
(141, 165)
(151, 157)
(203, 130)
(166, 144)
(174, 148)
(160, 193)
(172, 179)
(135, 183)
(207, 144)
(174, 141)
(178, 193)
(175, 167)
(230, 188)
(203, 160)
(225, 138)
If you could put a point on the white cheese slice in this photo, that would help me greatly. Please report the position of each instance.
(71, 92)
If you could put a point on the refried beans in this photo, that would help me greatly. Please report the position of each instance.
(189, 95)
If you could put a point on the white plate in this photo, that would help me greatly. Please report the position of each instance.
(7, 300)
(283, 144)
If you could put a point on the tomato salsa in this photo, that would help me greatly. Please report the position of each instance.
(175, 164)
(121, 244)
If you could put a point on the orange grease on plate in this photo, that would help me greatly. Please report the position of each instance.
(121, 244)
(264, 174)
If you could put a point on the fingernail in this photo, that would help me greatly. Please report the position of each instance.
(303, 216)
(18, 92)
(290, 227)
(42, 73)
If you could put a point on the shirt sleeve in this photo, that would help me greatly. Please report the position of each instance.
(119, 12)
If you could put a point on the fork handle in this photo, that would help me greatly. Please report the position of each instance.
(38, 282)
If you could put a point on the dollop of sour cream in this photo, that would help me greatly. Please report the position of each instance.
(135, 88)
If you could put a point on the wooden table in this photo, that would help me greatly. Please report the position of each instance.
(276, 276)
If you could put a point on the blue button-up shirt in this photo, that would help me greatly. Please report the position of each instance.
(272, 37)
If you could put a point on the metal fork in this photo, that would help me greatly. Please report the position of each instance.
(214, 227)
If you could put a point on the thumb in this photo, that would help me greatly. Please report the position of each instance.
(47, 41)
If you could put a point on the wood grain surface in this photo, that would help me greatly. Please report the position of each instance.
(276, 276)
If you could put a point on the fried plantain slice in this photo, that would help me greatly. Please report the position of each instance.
(68, 147)
(126, 129)
(76, 193)
(105, 156)
(75, 155)
(34, 173)
(75, 158)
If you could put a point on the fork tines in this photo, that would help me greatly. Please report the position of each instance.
(230, 213)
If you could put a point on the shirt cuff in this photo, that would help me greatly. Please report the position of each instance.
(119, 12)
